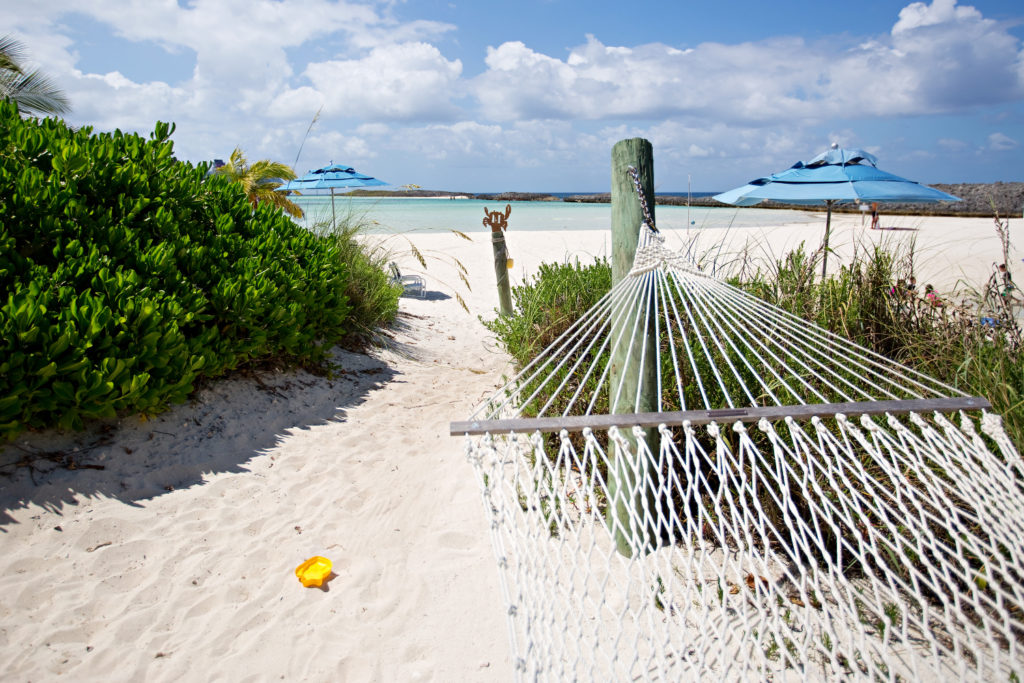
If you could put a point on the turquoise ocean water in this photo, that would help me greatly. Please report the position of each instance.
(388, 214)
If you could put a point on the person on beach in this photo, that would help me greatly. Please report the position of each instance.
(911, 287)
(931, 297)
(874, 215)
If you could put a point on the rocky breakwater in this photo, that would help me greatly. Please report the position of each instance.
(448, 194)
(517, 197)
(977, 199)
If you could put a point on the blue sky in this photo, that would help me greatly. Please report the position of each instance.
(531, 95)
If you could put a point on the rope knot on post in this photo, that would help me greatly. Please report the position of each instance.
(648, 219)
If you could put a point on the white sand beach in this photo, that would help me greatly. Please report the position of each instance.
(175, 560)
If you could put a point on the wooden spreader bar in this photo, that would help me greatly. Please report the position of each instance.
(528, 425)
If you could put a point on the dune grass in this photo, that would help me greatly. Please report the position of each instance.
(946, 342)
(371, 294)
(858, 302)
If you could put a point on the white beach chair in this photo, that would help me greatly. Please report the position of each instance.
(411, 284)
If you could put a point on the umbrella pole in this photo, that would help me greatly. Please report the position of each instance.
(828, 227)
(334, 217)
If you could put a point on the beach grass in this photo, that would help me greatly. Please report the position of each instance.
(857, 302)
(371, 294)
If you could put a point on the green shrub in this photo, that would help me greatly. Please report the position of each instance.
(126, 276)
(548, 303)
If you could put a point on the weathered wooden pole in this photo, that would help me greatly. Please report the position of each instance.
(498, 222)
(634, 359)
(627, 213)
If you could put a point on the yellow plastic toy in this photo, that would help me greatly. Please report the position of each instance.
(314, 571)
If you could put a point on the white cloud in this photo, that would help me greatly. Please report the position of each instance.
(953, 58)
(388, 31)
(937, 57)
(402, 81)
(242, 72)
(743, 82)
(534, 154)
(304, 101)
(999, 142)
(704, 150)
(117, 102)
(919, 14)
(377, 129)
(697, 152)
(224, 25)
(341, 148)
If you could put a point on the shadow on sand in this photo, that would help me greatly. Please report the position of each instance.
(429, 295)
(223, 427)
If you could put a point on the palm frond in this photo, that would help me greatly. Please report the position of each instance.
(265, 170)
(32, 91)
(12, 52)
(260, 180)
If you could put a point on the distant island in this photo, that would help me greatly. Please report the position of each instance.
(979, 199)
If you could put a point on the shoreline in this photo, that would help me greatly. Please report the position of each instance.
(979, 200)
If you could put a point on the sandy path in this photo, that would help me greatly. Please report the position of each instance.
(176, 561)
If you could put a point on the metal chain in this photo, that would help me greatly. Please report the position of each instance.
(635, 175)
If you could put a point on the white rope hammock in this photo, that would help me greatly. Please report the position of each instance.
(784, 505)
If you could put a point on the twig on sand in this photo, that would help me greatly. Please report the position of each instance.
(67, 460)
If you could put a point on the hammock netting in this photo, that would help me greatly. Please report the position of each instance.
(692, 483)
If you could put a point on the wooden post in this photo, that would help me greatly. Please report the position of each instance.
(634, 365)
(501, 271)
(498, 222)
(626, 211)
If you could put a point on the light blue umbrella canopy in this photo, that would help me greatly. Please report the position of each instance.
(836, 176)
(328, 179)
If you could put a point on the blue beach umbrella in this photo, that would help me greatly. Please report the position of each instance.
(328, 179)
(833, 177)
